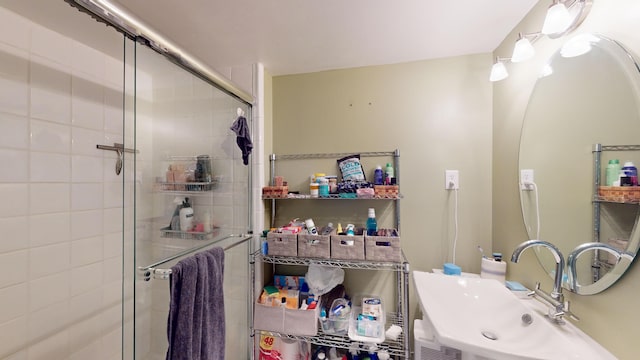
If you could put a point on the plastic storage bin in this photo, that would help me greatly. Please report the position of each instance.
(283, 320)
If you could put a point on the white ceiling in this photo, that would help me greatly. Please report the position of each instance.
(300, 36)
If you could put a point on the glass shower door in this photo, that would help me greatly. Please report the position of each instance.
(181, 129)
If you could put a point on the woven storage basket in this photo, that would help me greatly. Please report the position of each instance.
(282, 244)
(314, 246)
(621, 194)
(341, 250)
(382, 248)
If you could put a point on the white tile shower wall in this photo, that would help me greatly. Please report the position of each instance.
(60, 215)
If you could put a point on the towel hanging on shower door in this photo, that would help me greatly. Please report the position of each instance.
(243, 138)
(196, 323)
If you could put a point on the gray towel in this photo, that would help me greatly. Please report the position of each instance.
(196, 325)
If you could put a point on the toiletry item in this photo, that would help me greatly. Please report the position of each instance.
(378, 176)
(324, 321)
(203, 168)
(497, 256)
(339, 229)
(206, 222)
(389, 174)
(186, 216)
(314, 189)
(452, 269)
(383, 355)
(169, 178)
(372, 224)
(372, 352)
(350, 231)
(492, 269)
(612, 172)
(311, 227)
(333, 184)
(323, 187)
(327, 229)
(353, 352)
(175, 218)
(631, 171)
(333, 354)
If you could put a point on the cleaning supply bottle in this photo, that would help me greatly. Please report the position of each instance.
(378, 176)
(372, 224)
(186, 216)
(612, 172)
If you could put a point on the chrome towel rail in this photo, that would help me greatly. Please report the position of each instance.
(150, 271)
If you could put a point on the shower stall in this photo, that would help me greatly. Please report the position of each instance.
(103, 133)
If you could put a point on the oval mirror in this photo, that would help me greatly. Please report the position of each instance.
(587, 94)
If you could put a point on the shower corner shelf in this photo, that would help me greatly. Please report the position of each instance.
(188, 235)
(186, 187)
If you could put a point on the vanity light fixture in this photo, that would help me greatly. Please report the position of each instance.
(523, 50)
(557, 20)
(499, 71)
(563, 16)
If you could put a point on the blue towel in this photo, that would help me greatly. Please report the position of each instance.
(196, 324)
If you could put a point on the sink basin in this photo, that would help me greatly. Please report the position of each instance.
(482, 317)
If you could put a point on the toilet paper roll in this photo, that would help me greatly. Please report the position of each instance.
(491, 269)
(288, 349)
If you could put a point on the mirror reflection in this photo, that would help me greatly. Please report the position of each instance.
(588, 94)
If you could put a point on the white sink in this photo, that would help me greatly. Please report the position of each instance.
(482, 317)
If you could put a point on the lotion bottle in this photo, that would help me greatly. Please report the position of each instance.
(186, 216)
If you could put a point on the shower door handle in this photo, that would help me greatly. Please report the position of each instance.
(120, 150)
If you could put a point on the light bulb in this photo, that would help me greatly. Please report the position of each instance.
(578, 45)
(546, 71)
(523, 50)
(498, 72)
(557, 20)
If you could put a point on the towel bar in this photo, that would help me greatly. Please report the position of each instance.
(150, 271)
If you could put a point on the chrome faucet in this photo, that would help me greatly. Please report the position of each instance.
(573, 257)
(556, 298)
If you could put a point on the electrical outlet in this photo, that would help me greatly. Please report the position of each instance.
(526, 179)
(451, 180)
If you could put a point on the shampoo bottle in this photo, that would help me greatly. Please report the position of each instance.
(378, 177)
(186, 216)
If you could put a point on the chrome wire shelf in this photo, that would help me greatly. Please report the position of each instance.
(330, 197)
(346, 264)
(393, 347)
(334, 155)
